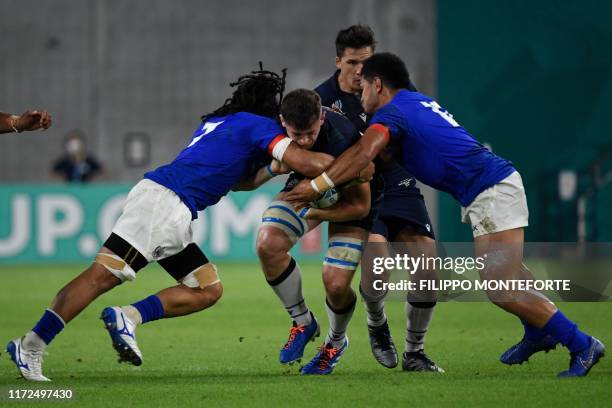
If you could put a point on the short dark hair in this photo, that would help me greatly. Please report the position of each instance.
(301, 107)
(356, 36)
(389, 68)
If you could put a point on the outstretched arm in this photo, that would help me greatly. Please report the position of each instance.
(29, 120)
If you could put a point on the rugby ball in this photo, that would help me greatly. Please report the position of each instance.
(329, 198)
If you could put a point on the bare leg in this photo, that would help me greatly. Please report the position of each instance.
(182, 300)
(530, 307)
(82, 290)
(273, 247)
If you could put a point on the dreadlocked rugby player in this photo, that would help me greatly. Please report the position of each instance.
(350, 218)
(402, 215)
(442, 154)
(156, 223)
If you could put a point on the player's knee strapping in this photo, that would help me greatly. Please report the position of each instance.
(344, 253)
(203, 277)
(125, 260)
(191, 268)
(281, 215)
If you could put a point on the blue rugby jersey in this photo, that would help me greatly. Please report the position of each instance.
(437, 150)
(220, 154)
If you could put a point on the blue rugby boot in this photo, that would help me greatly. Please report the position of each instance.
(582, 361)
(325, 360)
(521, 351)
(299, 336)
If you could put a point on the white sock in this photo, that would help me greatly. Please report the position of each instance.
(376, 313)
(417, 325)
(288, 288)
(338, 323)
(32, 341)
(132, 313)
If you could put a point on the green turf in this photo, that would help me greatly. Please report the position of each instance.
(227, 356)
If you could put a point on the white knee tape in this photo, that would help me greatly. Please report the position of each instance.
(281, 215)
(116, 266)
(344, 253)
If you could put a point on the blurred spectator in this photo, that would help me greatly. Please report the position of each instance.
(29, 120)
(76, 166)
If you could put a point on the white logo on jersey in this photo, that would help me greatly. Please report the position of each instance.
(406, 183)
(337, 105)
(440, 111)
(364, 117)
(206, 128)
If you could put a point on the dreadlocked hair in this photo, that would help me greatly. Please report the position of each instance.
(259, 92)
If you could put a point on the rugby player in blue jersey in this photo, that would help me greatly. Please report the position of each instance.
(439, 152)
(317, 129)
(402, 215)
(156, 223)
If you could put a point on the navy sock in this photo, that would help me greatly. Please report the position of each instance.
(150, 308)
(566, 332)
(532, 333)
(49, 325)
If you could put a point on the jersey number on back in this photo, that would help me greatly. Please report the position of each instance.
(206, 129)
(440, 111)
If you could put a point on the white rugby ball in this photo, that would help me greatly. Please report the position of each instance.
(329, 198)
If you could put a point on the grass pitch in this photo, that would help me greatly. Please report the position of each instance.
(228, 355)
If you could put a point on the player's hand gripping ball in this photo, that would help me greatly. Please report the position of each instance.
(329, 198)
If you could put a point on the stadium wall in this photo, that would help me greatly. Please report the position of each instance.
(533, 79)
(152, 67)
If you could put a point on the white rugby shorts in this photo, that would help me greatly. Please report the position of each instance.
(499, 208)
(154, 221)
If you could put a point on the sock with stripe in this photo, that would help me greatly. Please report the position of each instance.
(288, 288)
(376, 313)
(338, 323)
(375, 309)
(418, 315)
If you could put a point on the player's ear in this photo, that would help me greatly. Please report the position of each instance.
(282, 120)
(378, 85)
(337, 62)
(322, 117)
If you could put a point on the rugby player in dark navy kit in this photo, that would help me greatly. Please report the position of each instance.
(350, 218)
(402, 215)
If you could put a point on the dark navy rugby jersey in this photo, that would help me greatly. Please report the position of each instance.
(336, 135)
(348, 103)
